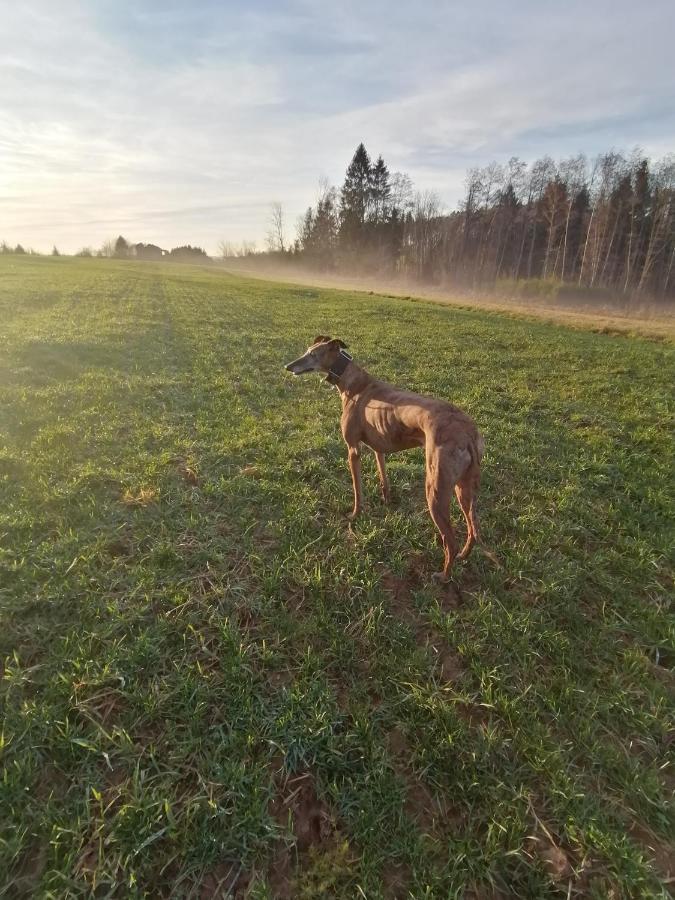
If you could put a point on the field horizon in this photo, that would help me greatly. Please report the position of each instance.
(213, 685)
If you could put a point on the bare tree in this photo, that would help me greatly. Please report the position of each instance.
(275, 235)
(226, 250)
(573, 172)
(663, 220)
(401, 195)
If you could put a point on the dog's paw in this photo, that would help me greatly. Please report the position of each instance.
(440, 577)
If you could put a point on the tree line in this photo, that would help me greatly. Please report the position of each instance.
(121, 248)
(605, 225)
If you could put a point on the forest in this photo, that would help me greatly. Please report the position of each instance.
(601, 226)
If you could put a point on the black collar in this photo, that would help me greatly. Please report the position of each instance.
(337, 370)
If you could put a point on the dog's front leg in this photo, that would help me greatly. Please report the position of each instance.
(355, 469)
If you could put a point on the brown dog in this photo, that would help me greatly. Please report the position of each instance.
(386, 419)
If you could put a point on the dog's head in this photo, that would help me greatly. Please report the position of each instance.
(321, 356)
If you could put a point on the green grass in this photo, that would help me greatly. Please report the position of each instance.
(213, 685)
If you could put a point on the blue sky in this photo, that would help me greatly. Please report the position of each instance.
(179, 122)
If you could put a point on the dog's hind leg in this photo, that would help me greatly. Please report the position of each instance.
(466, 490)
(354, 456)
(382, 472)
(439, 484)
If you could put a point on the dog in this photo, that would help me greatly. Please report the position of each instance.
(387, 419)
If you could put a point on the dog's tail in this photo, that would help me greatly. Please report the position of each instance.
(477, 450)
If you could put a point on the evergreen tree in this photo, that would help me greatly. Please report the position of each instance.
(121, 250)
(380, 192)
(355, 198)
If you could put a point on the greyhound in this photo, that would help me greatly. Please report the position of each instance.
(386, 419)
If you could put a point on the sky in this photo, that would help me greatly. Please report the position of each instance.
(179, 122)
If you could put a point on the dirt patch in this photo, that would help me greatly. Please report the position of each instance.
(297, 805)
(118, 548)
(448, 664)
(556, 859)
(50, 782)
(396, 882)
(247, 619)
(432, 814)
(188, 474)
(307, 821)
(420, 805)
(473, 714)
(88, 860)
(556, 862)
(226, 880)
(105, 706)
(28, 873)
(661, 853)
(280, 678)
(398, 744)
(342, 697)
(399, 587)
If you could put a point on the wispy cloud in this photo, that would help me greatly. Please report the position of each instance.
(182, 122)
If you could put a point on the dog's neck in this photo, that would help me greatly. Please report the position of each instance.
(351, 381)
(337, 370)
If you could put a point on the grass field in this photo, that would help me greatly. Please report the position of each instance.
(212, 686)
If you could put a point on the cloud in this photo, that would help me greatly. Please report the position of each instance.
(183, 123)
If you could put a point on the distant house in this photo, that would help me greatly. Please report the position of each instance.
(148, 251)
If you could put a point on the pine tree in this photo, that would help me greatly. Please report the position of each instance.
(355, 199)
(121, 250)
(380, 206)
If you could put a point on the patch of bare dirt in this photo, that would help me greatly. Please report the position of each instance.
(247, 619)
(51, 782)
(280, 678)
(28, 873)
(399, 587)
(396, 882)
(556, 859)
(188, 474)
(661, 853)
(119, 548)
(297, 805)
(225, 880)
(433, 814)
(298, 808)
(473, 714)
(448, 663)
(105, 706)
(398, 744)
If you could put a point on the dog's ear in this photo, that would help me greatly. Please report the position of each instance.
(340, 343)
(321, 339)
